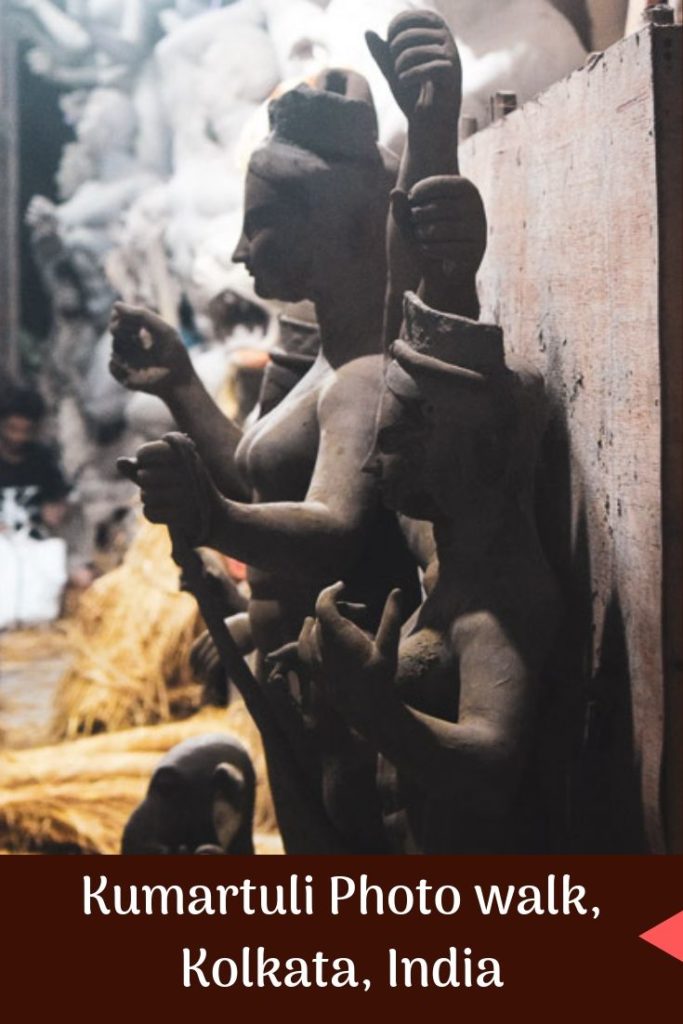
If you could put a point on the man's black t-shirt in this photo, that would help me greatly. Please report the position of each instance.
(26, 485)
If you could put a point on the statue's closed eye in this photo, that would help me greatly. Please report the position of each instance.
(258, 219)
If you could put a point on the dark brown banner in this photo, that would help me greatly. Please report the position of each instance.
(100, 937)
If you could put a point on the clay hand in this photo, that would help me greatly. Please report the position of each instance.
(40, 61)
(148, 354)
(297, 655)
(354, 671)
(173, 491)
(421, 65)
(41, 213)
(444, 222)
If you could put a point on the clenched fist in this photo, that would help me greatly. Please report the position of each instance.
(420, 62)
(175, 487)
(148, 354)
(444, 221)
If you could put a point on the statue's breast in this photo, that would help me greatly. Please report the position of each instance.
(277, 455)
(428, 677)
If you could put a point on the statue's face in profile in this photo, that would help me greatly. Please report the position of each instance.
(307, 220)
(402, 453)
(276, 244)
(429, 445)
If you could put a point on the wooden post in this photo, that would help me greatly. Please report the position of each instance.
(9, 201)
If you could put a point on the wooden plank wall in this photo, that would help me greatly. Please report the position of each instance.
(577, 273)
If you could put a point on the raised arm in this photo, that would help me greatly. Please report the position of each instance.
(54, 28)
(148, 355)
(420, 61)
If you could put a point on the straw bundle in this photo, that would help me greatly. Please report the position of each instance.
(23, 645)
(76, 796)
(131, 638)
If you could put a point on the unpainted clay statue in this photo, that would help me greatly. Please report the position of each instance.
(421, 64)
(200, 800)
(451, 706)
(314, 227)
(103, 174)
(88, 44)
(316, 206)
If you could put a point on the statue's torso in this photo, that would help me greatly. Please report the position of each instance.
(277, 457)
(429, 680)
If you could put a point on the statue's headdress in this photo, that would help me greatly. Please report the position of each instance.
(442, 345)
(333, 124)
(439, 348)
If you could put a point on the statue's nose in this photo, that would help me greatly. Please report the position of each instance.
(241, 252)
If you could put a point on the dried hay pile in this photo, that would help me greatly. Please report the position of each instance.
(23, 645)
(131, 638)
(75, 797)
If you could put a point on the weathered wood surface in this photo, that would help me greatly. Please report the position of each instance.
(9, 200)
(582, 188)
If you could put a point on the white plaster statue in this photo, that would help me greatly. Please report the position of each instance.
(517, 45)
(111, 176)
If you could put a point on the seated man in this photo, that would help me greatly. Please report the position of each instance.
(32, 505)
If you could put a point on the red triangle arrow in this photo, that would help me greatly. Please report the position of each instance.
(667, 936)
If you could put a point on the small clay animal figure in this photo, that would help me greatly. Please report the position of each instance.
(200, 800)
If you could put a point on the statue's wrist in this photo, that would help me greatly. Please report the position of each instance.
(435, 129)
(431, 151)
(180, 385)
(443, 291)
(219, 522)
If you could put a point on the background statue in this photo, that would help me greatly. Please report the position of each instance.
(197, 76)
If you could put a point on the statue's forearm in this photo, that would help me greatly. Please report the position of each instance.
(64, 31)
(423, 157)
(215, 435)
(298, 538)
(428, 154)
(450, 292)
(87, 75)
